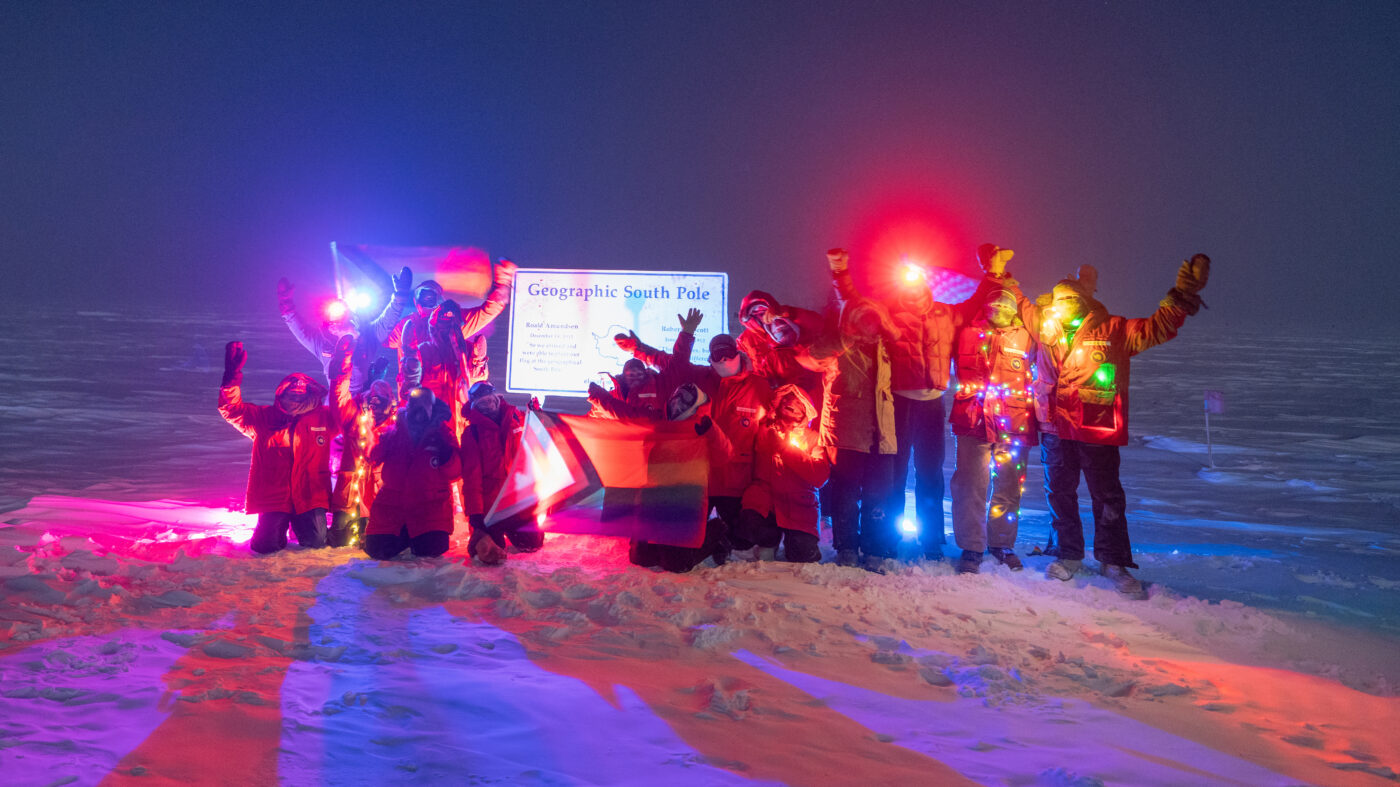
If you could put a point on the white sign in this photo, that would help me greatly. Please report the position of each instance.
(562, 322)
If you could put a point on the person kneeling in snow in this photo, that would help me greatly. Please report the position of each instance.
(289, 478)
(690, 404)
(489, 444)
(1082, 404)
(789, 468)
(417, 463)
(364, 418)
(993, 422)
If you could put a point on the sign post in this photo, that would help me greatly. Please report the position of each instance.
(1214, 403)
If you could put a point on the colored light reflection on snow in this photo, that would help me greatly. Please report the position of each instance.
(130, 526)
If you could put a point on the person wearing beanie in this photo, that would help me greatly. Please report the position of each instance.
(363, 419)
(289, 478)
(739, 402)
(415, 328)
(417, 461)
(489, 441)
(633, 394)
(920, 350)
(689, 404)
(994, 425)
(1081, 401)
(320, 339)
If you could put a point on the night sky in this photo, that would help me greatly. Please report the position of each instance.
(154, 154)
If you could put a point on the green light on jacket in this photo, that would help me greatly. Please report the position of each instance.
(1104, 375)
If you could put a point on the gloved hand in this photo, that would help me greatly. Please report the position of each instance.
(535, 405)
(996, 266)
(1191, 277)
(838, 259)
(596, 391)
(504, 272)
(627, 341)
(378, 368)
(703, 425)
(285, 291)
(403, 282)
(690, 321)
(441, 453)
(234, 358)
(340, 358)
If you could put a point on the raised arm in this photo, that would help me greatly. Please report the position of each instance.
(306, 334)
(411, 368)
(383, 325)
(346, 409)
(839, 260)
(1182, 301)
(246, 418)
(473, 320)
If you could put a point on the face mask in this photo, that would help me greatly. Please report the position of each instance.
(728, 367)
(296, 404)
(784, 333)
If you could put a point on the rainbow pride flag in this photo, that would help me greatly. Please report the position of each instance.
(593, 476)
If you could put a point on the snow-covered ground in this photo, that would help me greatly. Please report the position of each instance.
(139, 641)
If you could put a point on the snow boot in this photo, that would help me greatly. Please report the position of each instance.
(766, 553)
(970, 562)
(1007, 558)
(484, 548)
(1063, 569)
(1124, 582)
(847, 557)
(873, 563)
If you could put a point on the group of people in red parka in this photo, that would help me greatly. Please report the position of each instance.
(807, 414)
(406, 449)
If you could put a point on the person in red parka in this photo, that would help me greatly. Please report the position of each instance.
(994, 422)
(414, 328)
(634, 394)
(739, 399)
(774, 339)
(1082, 402)
(789, 468)
(417, 462)
(689, 404)
(289, 478)
(363, 418)
(446, 362)
(490, 441)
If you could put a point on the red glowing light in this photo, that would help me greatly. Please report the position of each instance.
(336, 310)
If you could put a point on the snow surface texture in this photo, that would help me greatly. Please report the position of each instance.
(141, 642)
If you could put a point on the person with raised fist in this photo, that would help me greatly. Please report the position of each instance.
(289, 477)
(1082, 405)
